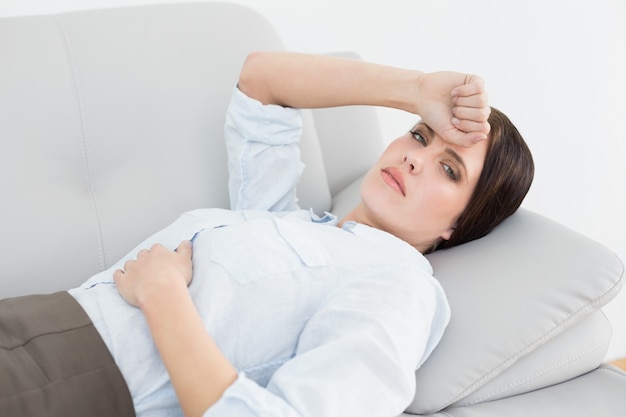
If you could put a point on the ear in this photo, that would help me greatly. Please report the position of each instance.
(447, 234)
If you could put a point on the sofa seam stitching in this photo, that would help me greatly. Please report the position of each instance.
(546, 371)
(83, 139)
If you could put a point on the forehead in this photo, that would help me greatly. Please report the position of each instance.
(473, 157)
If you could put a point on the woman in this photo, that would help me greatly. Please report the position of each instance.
(289, 314)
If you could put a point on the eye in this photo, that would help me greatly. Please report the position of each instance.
(418, 137)
(450, 172)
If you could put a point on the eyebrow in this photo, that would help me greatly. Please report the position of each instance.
(449, 151)
(456, 156)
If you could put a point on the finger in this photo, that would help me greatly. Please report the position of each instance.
(142, 253)
(157, 246)
(475, 100)
(480, 115)
(474, 137)
(465, 140)
(478, 129)
(117, 275)
(128, 264)
(185, 248)
(473, 85)
(469, 126)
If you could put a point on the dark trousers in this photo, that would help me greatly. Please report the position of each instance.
(53, 362)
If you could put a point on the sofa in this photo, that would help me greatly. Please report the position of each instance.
(111, 125)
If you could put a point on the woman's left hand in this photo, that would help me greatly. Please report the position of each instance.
(155, 270)
(454, 105)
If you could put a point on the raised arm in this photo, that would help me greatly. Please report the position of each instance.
(453, 104)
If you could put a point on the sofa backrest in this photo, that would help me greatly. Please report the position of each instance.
(111, 126)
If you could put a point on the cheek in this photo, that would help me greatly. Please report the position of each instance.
(373, 184)
(441, 203)
(372, 193)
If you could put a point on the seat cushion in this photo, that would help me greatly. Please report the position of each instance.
(597, 393)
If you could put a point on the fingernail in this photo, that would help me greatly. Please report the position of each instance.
(455, 121)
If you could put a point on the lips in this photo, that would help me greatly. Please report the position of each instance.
(393, 178)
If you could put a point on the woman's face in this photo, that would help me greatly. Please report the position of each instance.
(419, 187)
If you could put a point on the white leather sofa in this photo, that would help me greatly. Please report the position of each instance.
(111, 125)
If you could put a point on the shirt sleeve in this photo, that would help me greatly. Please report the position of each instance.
(264, 163)
(356, 356)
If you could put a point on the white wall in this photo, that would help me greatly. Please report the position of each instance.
(554, 67)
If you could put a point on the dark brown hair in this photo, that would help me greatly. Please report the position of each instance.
(503, 183)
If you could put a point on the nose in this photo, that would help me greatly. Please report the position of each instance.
(414, 160)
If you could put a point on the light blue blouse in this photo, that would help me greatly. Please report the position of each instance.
(319, 320)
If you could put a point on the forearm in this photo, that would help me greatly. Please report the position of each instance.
(453, 104)
(197, 368)
(314, 81)
(157, 283)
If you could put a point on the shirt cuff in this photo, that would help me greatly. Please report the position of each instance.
(245, 398)
(270, 124)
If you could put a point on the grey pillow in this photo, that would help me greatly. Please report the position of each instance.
(514, 294)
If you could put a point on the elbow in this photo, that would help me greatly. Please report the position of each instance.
(253, 80)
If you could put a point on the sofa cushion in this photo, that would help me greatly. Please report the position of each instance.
(539, 279)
